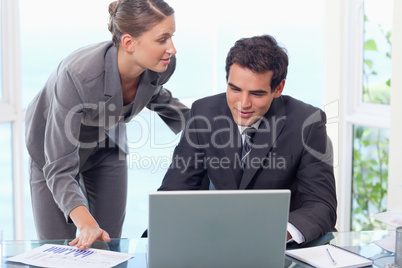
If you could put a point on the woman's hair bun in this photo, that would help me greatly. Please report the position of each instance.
(135, 17)
(112, 12)
(113, 7)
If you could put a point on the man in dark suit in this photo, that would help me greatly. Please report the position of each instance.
(288, 140)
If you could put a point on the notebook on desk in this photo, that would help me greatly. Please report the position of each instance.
(236, 228)
(324, 256)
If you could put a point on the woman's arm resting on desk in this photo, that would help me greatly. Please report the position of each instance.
(89, 230)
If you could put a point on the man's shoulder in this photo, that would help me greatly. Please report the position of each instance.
(297, 106)
(299, 112)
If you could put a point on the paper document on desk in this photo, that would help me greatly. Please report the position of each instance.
(325, 256)
(59, 256)
(391, 217)
(387, 243)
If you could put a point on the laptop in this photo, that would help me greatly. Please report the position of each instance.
(231, 228)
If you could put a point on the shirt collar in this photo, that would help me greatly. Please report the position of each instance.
(256, 125)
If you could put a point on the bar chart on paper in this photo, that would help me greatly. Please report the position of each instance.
(59, 256)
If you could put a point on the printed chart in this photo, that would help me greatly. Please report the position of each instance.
(58, 256)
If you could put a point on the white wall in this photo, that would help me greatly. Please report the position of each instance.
(395, 144)
(333, 95)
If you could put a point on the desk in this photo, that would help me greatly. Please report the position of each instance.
(359, 242)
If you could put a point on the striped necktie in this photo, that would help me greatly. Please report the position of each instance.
(247, 144)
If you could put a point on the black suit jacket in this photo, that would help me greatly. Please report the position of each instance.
(291, 151)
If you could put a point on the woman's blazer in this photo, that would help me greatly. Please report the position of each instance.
(80, 105)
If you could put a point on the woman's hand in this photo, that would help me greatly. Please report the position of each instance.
(88, 236)
(89, 230)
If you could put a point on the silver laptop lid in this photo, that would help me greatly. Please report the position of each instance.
(236, 228)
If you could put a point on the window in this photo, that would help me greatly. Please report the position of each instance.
(44, 45)
(1, 51)
(203, 37)
(371, 141)
(151, 145)
(377, 51)
(370, 176)
(364, 123)
(47, 39)
(6, 180)
(202, 47)
(10, 121)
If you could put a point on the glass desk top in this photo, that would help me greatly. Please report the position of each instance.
(359, 242)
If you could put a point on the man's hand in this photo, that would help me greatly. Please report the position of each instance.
(89, 230)
(288, 237)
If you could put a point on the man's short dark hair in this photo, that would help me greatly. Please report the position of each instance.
(260, 54)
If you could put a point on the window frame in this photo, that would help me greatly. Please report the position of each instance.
(344, 71)
(357, 111)
(343, 44)
(395, 143)
(10, 105)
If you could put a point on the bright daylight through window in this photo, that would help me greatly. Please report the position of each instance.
(202, 39)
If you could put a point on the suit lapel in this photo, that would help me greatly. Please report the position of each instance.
(111, 108)
(230, 139)
(113, 93)
(147, 88)
(113, 96)
(265, 138)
